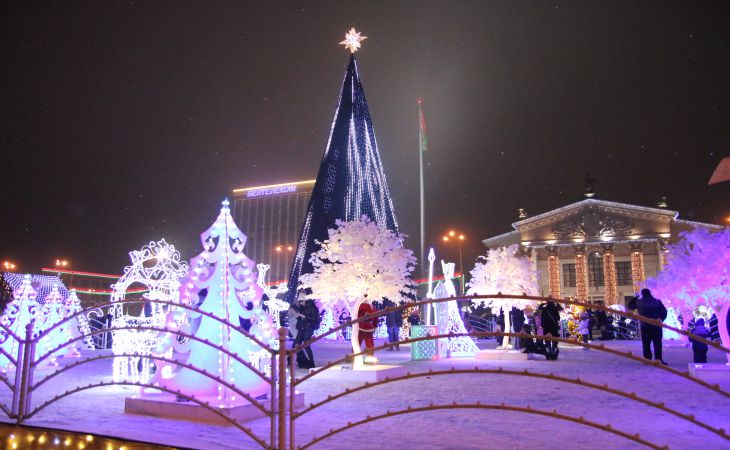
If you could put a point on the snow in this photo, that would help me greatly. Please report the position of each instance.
(101, 410)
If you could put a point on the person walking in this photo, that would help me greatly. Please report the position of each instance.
(394, 322)
(550, 319)
(517, 317)
(651, 308)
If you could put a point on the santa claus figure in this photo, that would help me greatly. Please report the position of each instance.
(366, 330)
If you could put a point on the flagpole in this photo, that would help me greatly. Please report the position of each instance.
(420, 165)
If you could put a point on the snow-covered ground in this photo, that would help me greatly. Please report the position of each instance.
(102, 410)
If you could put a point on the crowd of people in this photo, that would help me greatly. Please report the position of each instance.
(540, 324)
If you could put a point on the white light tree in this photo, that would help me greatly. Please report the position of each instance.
(360, 263)
(18, 313)
(82, 328)
(221, 282)
(698, 274)
(53, 312)
(505, 272)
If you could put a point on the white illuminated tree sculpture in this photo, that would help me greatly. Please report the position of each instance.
(18, 313)
(698, 274)
(360, 263)
(53, 312)
(222, 282)
(507, 273)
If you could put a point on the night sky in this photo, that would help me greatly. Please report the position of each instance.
(125, 122)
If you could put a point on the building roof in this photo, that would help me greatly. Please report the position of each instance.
(530, 222)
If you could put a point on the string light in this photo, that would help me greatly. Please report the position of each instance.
(581, 273)
(609, 275)
(637, 269)
(554, 273)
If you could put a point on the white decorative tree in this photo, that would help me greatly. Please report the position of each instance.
(507, 273)
(82, 328)
(698, 274)
(18, 313)
(449, 318)
(359, 263)
(53, 312)
(221, 282)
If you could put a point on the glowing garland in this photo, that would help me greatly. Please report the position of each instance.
(637, 268)
(451, 321)
(52, 312)
(581, 274)
(273, 304)
(609, 275)
(554, 273)
(82, 328)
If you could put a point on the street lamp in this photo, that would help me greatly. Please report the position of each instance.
(9, 265)
(61, 263)
(280, 249)
(458, 238)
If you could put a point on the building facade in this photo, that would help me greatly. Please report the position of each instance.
(596, 250)
(271, 217)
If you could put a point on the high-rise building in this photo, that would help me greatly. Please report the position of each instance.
(272, 217)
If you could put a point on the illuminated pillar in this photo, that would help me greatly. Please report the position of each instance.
(637, 266)
(609, 274)
(581, 273)
(663, 250)
(553, 271)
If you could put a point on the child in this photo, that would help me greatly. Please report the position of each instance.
(584, 328)
(699, 349)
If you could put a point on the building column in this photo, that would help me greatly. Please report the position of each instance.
(637, 266)
(553, 271)
(609, 274)
(581, 273)
(663, 250)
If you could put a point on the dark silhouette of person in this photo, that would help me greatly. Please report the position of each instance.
(550, 319)
(699, 348)
(651, 308)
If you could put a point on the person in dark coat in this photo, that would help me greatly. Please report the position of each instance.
(394, 322)
(651, 308)
(307, 323)
(699, 349)
(517, 317)
(550, 320)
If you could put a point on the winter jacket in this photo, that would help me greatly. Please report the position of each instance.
(394, 318)
(551, 318)
(649, 307)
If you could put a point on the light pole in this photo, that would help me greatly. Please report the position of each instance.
(9, 266)
(453, 236)
(280, 249)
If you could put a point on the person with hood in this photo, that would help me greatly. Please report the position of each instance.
(307, 323)
(651, 308)
(699, 349)
(550, 321)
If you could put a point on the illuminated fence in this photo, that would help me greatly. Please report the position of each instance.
(281, 411)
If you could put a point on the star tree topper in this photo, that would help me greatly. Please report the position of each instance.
(352, 40)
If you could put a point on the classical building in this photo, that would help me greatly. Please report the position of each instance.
(271, 217)
(596, 250)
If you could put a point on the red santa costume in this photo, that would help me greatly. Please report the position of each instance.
(367, 327)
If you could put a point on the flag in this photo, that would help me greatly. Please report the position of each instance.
(423, 143)
(722, 173)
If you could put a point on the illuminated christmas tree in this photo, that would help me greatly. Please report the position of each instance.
(82, 328)
(52, 312)
(350, 181)
(222, 282)
(19, 312)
